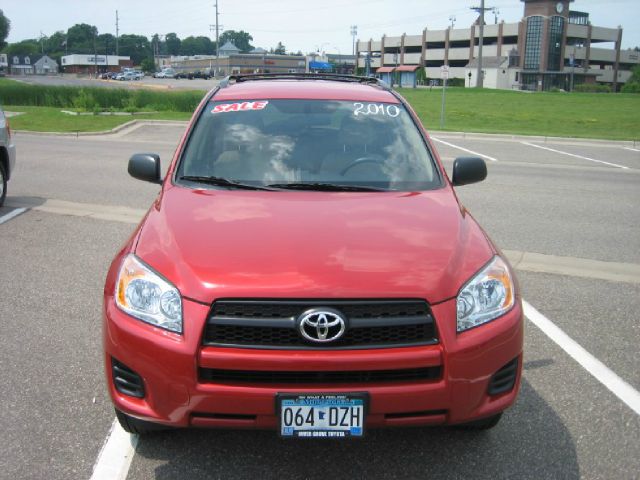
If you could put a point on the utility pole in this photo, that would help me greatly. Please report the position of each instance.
(354, 33)
(217, 42)
(42, 41)
(481, 9)
(496, 12)
(117, 33)
(452, 19)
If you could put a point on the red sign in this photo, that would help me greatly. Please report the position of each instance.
(239, 107)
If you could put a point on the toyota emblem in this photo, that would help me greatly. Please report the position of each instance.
(322, 325)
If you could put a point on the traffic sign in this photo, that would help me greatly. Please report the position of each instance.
(444, 72)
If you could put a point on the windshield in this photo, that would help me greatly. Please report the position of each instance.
(300, 143)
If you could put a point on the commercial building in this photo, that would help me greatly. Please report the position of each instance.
(92, 64)
(551, 47)
(240, 63)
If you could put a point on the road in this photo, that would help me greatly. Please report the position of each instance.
(560, 201)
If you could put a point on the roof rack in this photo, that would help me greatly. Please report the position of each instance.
(335, 77)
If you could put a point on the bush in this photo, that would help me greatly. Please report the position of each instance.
(631, 88)
(592, 88)
(84, 101)
(88, 98)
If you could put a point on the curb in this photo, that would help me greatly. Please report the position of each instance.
(117, 129)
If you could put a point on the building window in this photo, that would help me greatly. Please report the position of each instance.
(16, 60)
(533, 43)
(556, 27)
(27, 61)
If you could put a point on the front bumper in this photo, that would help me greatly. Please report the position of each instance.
(169, 365)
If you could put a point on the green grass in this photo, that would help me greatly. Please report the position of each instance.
(583, 115)
(94, 98)
(50, 119)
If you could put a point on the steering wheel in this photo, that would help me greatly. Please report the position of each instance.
(359, 161)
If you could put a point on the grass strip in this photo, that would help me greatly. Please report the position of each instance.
(50, 119)
(557, 114)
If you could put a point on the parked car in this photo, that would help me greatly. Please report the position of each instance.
(138, 74)
(7, 155)
(307, 267)
(127, 76)
(165, 73)
(200, 74)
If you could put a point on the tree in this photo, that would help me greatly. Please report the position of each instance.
(158, 46)
(196, 46)
(280, 49)
(148, 65)
(5, 26)
(82, 34)
(55, 43)
(106, 44)
(25, 47)
(135, 46)
(240, 39)
(172, 42)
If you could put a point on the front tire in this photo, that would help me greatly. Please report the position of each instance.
(3, 184)
(138, 427)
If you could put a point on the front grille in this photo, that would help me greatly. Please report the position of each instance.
(272, 323)
(235, 377)
(504, 379)
(126, 380)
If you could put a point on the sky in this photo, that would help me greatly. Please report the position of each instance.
(299, 25)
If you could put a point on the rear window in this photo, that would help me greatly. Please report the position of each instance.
(265, 142)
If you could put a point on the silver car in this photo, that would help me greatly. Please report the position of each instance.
(7, 155)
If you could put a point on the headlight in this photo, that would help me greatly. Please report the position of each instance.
(145, 295)
(486, 296)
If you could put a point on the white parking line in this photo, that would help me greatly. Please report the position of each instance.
(12, 214)
(591, 364)
(632, 149)
(574, 155)
(464, 149)
(116, 455)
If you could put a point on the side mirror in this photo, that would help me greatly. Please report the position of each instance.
(468, 170)
(146, 167)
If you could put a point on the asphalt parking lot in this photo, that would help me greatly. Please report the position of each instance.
(576, 204)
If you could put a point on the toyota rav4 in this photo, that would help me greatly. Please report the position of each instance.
(308, 268)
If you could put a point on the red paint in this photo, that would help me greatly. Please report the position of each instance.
(234, 243)
(239, 107)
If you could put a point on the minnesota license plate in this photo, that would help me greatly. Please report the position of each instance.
(322, 415)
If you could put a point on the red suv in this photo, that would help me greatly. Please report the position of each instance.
(307, 267)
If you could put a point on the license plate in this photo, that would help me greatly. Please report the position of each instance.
(322, 415)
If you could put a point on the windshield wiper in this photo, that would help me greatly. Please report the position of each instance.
(222, 182)
(327, 187)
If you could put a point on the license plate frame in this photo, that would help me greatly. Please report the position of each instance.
(342, 404)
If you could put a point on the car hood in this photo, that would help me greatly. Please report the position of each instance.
(292, 244)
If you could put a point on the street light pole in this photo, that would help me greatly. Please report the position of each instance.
(354, 32)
